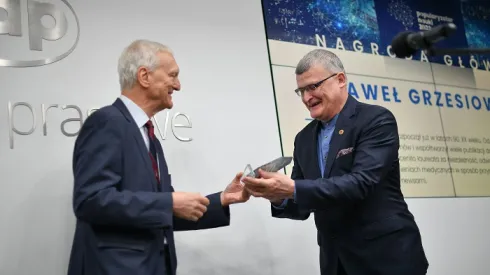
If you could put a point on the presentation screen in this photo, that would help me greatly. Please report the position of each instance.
(441, 103)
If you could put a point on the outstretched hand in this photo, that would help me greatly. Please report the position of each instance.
(235, 192)
(273, 186)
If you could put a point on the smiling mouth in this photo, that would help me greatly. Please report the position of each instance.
(314, 104)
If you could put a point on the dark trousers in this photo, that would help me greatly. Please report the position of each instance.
(323, 269)
(166, 253)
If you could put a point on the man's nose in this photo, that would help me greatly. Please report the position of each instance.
(306, 97)
(177, 85)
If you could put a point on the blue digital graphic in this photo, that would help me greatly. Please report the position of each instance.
(353, 23)
(300, 21)
(476, 17)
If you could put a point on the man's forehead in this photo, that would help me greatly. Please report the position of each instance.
(168, 61)
(316, 71)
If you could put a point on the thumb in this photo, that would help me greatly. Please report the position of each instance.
(237, 178)
(265, 174)
(238, 175)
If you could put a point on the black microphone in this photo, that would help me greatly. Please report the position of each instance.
(407, 43)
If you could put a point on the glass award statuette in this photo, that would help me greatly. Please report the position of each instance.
(272, 166)
(247, 172)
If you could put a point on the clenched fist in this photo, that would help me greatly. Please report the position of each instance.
(189, 206)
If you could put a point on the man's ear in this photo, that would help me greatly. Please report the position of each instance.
(342, 79)
(143, 76)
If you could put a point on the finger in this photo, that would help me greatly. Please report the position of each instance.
(196, 215)
(255, 188)
(201, 208)
(199, 214)
(259, 184)
(255, 182)
(266, 175)
(250, 180)
(256, 194)
(204, 201)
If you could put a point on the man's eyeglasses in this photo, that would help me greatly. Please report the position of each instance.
(311, 87)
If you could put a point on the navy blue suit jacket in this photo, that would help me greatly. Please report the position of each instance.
(122, 217)
(364, 225)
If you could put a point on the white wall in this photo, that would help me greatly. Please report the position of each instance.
(454, 234)
(227, 92)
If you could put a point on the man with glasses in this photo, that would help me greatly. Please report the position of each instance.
(346, 172)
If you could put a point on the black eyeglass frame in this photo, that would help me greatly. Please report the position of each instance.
(314, 86)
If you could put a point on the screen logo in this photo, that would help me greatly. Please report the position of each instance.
(34, 33)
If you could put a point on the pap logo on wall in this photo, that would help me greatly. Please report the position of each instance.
(35, 33)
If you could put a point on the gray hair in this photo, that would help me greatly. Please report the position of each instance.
(327, 59)
(138, 53)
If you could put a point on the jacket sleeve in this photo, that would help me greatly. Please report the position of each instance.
(216, 215)
(289, 209)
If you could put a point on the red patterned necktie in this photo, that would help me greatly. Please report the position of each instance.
(153, 151)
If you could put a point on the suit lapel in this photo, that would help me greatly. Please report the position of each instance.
(313, 150)
(342, 129)
(145, 154)
(136, 133)
(162, 164)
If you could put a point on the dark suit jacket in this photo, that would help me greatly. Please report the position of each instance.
(362, 219)
(122, 218)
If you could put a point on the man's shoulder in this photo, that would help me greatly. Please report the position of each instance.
(369, 112)
(307, 130)
(103, 127)
(106, 114)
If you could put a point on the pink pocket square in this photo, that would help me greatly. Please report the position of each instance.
(344, 152)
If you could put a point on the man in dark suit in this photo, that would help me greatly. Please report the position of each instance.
(346, 172)
(123, 199)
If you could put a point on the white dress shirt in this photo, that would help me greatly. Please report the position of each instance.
(139, 116)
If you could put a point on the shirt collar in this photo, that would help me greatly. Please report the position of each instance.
(136, 112)
(332, 121)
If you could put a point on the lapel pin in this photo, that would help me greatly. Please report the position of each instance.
(341, 132)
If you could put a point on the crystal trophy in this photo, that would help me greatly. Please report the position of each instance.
(272, 166)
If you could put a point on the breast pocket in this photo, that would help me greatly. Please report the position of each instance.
(344, 160)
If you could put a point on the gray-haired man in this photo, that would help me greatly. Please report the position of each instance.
(123, 199)
(346, 172)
